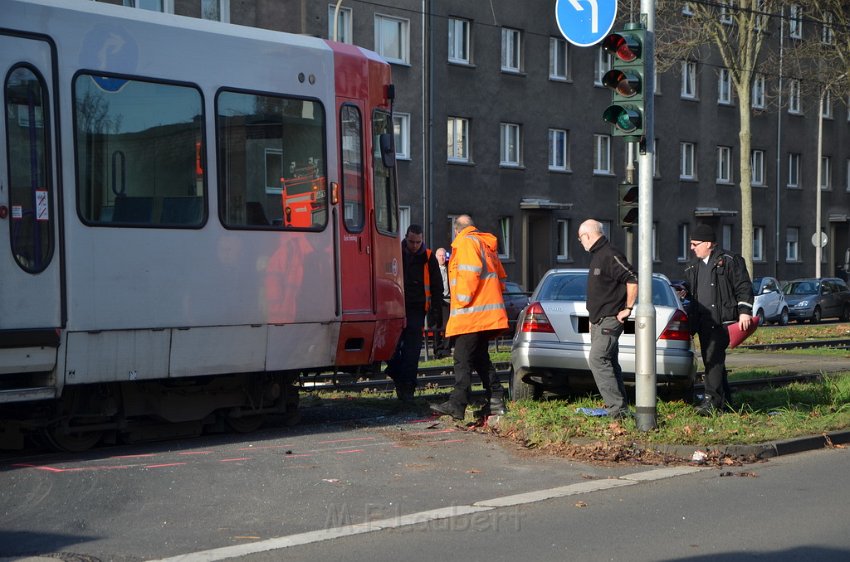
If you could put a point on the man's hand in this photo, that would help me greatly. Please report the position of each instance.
(744, 321)
(623, 314)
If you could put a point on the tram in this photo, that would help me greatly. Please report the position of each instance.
(192, 215)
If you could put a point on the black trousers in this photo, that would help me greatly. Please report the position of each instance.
(472, 353)
(713, 341)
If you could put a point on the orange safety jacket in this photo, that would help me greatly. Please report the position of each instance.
(476, 279)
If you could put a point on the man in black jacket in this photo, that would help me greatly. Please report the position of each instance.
(422, 283)
(720, 292)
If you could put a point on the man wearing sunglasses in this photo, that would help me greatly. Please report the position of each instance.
(720, 292)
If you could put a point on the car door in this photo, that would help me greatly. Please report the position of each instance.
(30, 270)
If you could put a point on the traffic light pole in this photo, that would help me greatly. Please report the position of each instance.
(645, 378)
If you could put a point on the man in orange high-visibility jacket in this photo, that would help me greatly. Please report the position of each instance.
(477, 313)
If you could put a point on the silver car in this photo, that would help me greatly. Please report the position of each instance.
(552, 341)
(769, 301)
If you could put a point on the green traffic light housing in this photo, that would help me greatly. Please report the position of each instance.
(627, 120)
(626, 82)
(627, 204)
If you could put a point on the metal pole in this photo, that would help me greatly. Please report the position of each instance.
(779, 144)
(336, 20)
(645, 379)
(818, 247)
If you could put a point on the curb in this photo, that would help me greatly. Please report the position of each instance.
(760, 450)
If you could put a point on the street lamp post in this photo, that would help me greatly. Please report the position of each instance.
(818, 237)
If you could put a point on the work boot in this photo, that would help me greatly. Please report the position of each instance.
(449, 408)
(707, 409)
(497, 406)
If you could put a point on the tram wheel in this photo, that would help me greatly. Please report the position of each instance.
(244, 424)
(70, 441)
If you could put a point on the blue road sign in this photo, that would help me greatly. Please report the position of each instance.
(585, 22)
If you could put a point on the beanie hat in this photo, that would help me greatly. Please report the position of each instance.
(703, 233)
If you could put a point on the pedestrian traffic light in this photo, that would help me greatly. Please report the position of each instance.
(627, 204)
(626, 81)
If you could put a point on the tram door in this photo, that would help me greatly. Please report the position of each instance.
(355, 234)
(30, 297)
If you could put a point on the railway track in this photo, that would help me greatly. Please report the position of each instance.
(812, 344)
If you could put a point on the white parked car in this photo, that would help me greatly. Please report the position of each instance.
(552, 340)
(769, 301)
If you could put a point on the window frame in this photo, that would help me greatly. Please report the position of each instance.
(724, 164)
(559, 53)
(402, 138)
(792, 244)
(510, 134)
(602, 155)
(564, 150)
(689, 80)
(511, 52)
(758, 91)
(223, 10)
(504, 241)
(463, 42)
(795, 21)
(345, 24)
(758, 243)
(452, 140)
(794, 106)
(403, 27)
(687, 159)
(826, 173)
(562, 236)
(757, 168)
(724, 87)
(795, 162)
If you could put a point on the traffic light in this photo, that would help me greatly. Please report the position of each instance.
(626, 81)
(627, 204)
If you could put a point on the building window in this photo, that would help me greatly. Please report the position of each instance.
(505, 238)
(684, 243)
(847, 175)
(724, 164)
(757, 167)
(727, 235)
(392, 38)
(687, 163)
(758, 243)
(792, 244)
(827, 105)
(689, 80)
(343, 24)
(761, 15)
(401, 130)
(558, 67)
(825, 172)
(795, 21)
(459, 41)
(166, 6)
(558, 152)
(510, 140)
(603, 65)
(724, 87)
(458, 139)
(794, 97)
(827, 34)
(758, 91)
(601, 154)
(563, 227)
(511, 50)
(216, 10)
(793, 170)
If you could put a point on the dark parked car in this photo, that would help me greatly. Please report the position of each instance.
(516, 298)
(816, 298)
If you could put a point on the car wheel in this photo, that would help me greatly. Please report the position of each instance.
(816, 316)
(845, 314)
(761, 317)
(521, 390)
(783, 318)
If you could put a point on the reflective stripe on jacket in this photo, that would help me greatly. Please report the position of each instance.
(476, 278)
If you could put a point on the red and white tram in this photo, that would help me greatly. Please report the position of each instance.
(191, 215)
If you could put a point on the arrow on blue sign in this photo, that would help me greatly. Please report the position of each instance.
(585, 22)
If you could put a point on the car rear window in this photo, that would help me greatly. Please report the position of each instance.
(573, 287)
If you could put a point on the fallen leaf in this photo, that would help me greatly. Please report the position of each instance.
(581, 504)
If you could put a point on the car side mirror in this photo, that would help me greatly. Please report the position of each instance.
(387, 142)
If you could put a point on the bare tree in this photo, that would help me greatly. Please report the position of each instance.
(736, 31)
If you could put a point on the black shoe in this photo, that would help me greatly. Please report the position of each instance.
(708, 409)
(448, 408)
(497, 407)
(620, 414)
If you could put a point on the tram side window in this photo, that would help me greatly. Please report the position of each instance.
(272, 171)
(140, 152)
(30, 189)
(352, 168)
(386, 196)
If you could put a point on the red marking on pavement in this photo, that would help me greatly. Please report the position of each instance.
(37, 467)
(344, 440)
(196, 453)
(349, 451)
(233, 460)
(165, 465)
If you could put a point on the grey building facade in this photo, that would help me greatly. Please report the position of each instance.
(497, 116)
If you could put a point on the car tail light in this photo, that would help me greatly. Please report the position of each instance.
(536, 320)
(677, 328)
